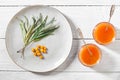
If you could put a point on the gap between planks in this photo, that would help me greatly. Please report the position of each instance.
(63, 71)
(78, 38)
(55, 5)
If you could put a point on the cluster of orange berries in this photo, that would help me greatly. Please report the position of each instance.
(39, 50)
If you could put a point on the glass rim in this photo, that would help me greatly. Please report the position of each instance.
(107, 42)
(98, 61)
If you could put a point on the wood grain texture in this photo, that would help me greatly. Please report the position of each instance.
(6, 14)
(109, 62)
(84, 17)
(58, 76)
(59, 2)
(80, 13)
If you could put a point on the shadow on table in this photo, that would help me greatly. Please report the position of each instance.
(72, 55)
(110, 55)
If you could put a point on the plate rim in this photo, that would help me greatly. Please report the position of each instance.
(53, 68)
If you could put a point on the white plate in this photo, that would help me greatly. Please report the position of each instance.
(59, 44)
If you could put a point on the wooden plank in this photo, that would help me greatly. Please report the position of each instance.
(59, 2)
(58, 76)
(6, 13)
(109, 62)
(84, 17)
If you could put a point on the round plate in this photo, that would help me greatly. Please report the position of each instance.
(59, 44)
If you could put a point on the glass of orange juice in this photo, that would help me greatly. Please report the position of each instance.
(88, 59)
(104, 33)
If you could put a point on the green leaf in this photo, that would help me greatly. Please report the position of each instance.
(36, 30)
(42, 25)
(51, 21)
(26, 23)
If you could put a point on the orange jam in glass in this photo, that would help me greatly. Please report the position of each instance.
(88, 59)
(104, 33)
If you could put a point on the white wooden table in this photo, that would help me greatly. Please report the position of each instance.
(80, 13)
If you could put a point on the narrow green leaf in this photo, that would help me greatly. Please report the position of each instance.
(51, 21)
(26, 23)
(37, 30)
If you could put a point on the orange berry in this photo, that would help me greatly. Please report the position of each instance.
(44, 51)
(38, 46)
(37, 51)
(41, 57)
(33, 50)
(45, 48)
(35, 54)
(41, 50)
(39, 54)
(42, 47)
